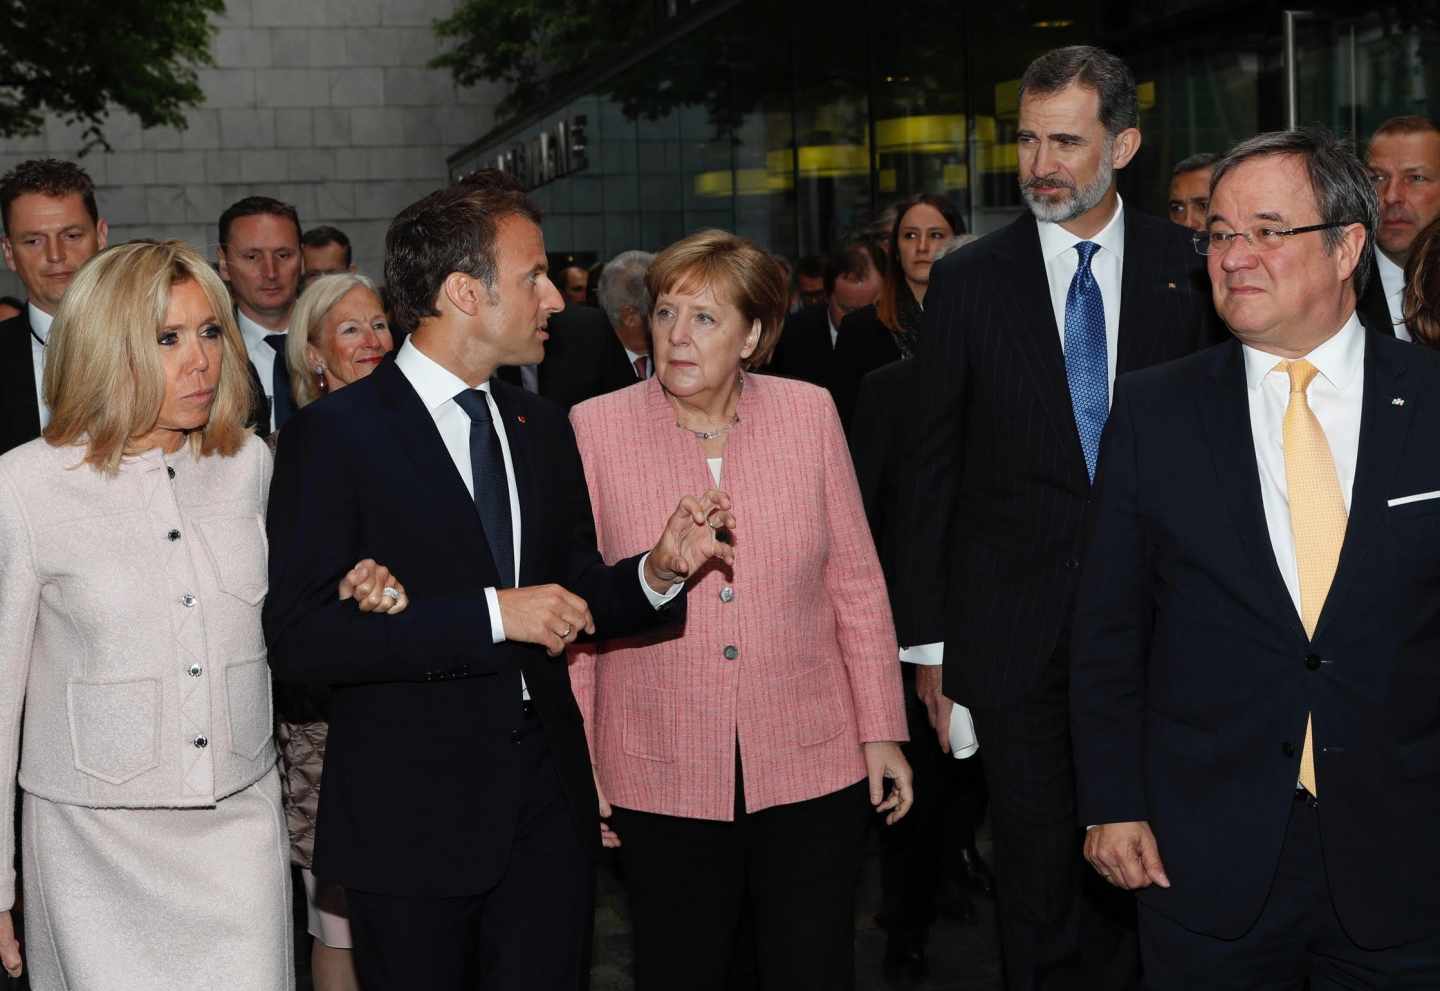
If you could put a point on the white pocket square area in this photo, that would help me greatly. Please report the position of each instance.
(1417, 497)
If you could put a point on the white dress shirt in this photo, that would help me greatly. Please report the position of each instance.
(262, 356)
(834, 330)
(40, 322)
(1336, 396)
(437, 387)
(1062, 260)
(635, 356)
(1392, 280)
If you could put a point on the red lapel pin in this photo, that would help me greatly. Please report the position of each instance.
(520, 419)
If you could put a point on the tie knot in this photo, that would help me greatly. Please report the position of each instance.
(472, 401)
(1087, 251)
(1301, 374)
(276, 341)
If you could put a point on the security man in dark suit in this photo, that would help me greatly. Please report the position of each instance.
(1256, 700)
(1024, 331)
(806, 350)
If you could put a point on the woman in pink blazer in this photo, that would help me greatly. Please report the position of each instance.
(742, 755)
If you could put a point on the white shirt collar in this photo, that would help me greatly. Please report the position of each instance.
(251, 330)
(1056, 240)
(436, 384)
(1392, 276)
(40, 322)
(1339, 359)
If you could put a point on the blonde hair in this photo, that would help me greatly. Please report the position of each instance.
(305, 323)
(732, 267)
(104, 378)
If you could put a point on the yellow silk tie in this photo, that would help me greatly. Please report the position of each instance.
(1317, 516)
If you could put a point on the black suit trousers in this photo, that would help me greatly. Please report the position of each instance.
(1297, 939)
(527, 933)
(1061, 928)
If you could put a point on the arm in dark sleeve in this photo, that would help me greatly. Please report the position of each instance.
(315, 524)
(934, 460)
(1113, 621)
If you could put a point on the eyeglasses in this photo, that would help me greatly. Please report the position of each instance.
(1260, 239)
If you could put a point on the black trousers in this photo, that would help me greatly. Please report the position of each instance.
(793, 867)
(1297, 938)
(527, 933)
(923, 849)
(1061, 927)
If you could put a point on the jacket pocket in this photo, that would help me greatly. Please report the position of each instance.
(114, 727)
(809, 703)
(248, 706)
(650, 723)
(236, 548)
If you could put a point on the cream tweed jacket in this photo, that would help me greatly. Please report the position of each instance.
(130, 630)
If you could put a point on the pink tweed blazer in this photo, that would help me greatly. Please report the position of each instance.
(813, 672)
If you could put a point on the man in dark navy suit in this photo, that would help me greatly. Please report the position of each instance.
(458, 808)
(1256, 700)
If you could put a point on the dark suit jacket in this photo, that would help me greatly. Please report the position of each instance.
(583, 358)
(1192, 674)
(998, 489)
(1374, 311)
(878, 440)
(19, 406)
(864, 345)
(418, 794)
(804, 350)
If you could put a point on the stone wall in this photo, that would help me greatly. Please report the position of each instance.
(326, 104)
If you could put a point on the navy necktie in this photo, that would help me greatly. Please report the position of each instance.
(492, 486)
(1087, 369)
(280, 382)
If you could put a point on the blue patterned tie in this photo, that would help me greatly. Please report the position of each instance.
(1086, 368)
(492, 484)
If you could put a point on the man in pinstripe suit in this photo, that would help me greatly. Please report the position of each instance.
(1024, 333)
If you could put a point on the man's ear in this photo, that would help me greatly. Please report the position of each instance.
(220, 258)
(102, 233)
(9, 251)
(1127, 144)
(464, 292)
(1349, 251)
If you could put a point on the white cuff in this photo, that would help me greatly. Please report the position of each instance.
(657, 600)
(928, 654)
(497, 625)
(963, 741)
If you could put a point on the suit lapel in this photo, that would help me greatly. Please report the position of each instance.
(1021, 264)
(413, 432)
(522, 461)
(1225, 411)
(1141, 278)
(1383, 429)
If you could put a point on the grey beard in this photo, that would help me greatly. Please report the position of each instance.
(1081, 199)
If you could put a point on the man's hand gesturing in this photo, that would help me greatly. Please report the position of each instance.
(690, 538)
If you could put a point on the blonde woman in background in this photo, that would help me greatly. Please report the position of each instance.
(338, 333)
(133, 560)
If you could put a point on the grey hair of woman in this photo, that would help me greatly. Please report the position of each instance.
(1340, 182)
(305, 324)
(622, 284)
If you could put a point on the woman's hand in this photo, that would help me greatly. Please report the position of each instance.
(609, 839)
(883, 759)
(9, 945)
(373, 588)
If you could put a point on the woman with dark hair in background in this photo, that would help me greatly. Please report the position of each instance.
(925, 226)
(1421, 303)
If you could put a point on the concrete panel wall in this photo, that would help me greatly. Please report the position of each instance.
(326, 104)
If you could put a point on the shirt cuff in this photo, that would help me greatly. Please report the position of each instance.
(928, 654)
(657, 600)
(497, 625)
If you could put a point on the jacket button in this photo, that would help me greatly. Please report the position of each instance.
(1312, 661)
(187, 600)
(1072, 563)
(731, 652)
(727, 594)
(1287, 748)
(173, 535)
(193, 670)
(170, 471)
(201, 743)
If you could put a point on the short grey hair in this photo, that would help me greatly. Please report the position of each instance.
(622, 284)
(1339, 181)
(1194, 163)
(1093, 68)
(316, 301)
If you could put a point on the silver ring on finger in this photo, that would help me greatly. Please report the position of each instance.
(391, 593)
(565, 632)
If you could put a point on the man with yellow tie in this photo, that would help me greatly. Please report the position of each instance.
(1255, 680)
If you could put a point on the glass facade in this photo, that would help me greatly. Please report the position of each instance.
(792, 122)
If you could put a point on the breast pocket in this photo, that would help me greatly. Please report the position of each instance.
(114, 727)
(236, 549)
